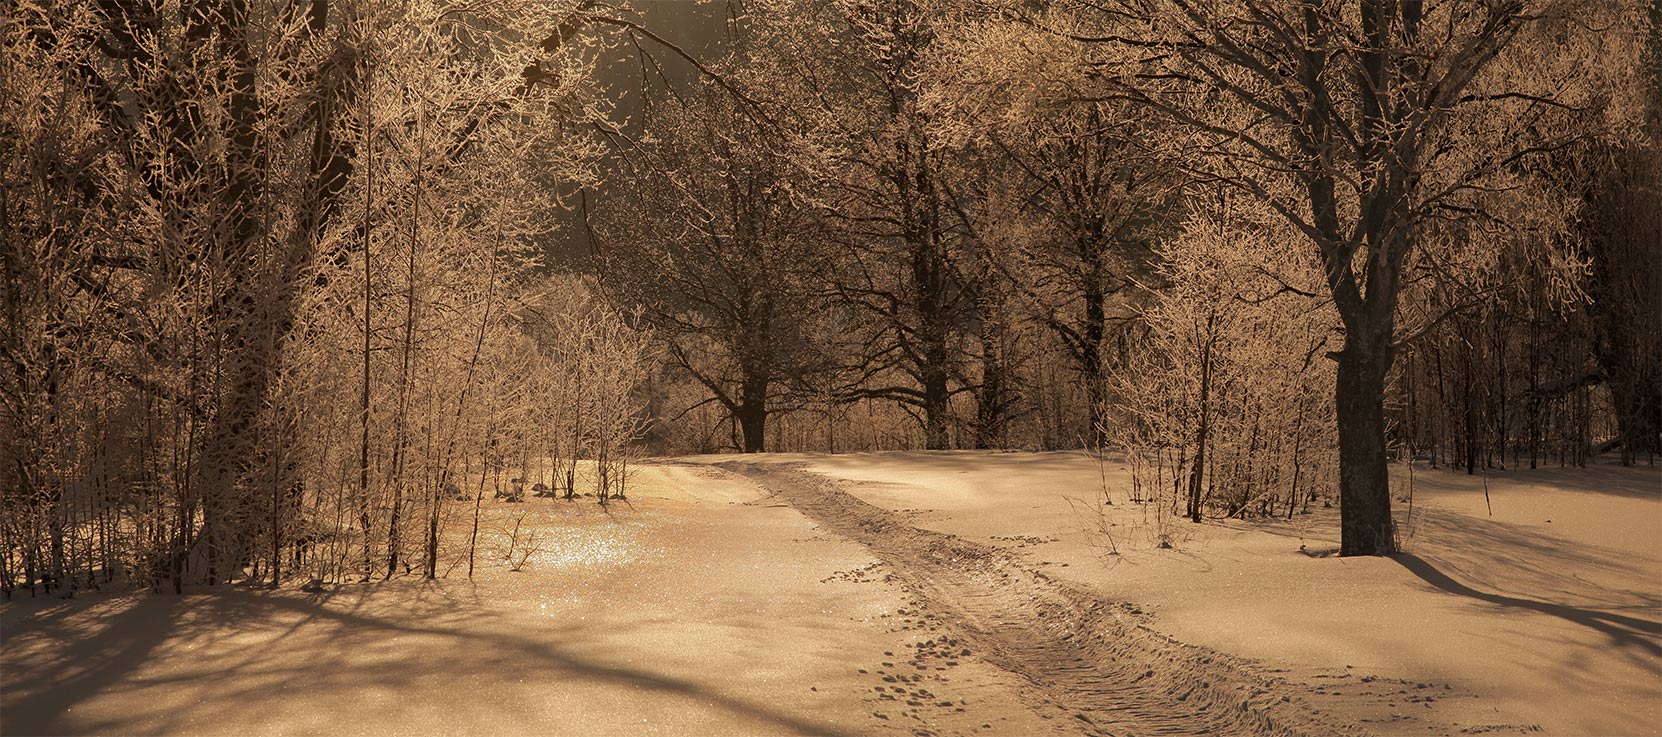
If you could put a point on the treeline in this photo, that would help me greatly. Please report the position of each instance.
(1262, 249)
(1548, 368)
(271, 304)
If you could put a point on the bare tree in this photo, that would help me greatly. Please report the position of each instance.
(844, 77)
(1088, 190)
(708, 239)
(1372, 130)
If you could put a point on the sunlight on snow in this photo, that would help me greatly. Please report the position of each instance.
(587, 547)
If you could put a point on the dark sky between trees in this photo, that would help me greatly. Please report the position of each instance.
(697, 27)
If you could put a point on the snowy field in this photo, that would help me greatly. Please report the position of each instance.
(914, 594)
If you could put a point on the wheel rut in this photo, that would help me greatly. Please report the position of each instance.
(1080, 655)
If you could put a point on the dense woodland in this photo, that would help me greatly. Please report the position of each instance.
(279, 300)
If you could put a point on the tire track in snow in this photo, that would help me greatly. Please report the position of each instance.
(1080, 654)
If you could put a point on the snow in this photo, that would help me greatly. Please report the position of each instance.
(1548, 614)
(707, 606)
(697, 608)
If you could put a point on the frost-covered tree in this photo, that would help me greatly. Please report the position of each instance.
(291, 220)
(1088, 191)
(708, 237)
(1223, 409)
(1377, 130)
(842, 79)
(593, 361)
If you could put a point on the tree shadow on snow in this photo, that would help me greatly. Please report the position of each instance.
(1603, 476)
(71, 666)
(1623, 630)
(179, 661)
(1526, 562)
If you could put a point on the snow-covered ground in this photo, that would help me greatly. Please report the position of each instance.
(1547, 614)
(698, 608)
(734, 599)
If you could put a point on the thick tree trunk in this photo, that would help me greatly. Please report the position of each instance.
(1097, 395)
(928, 273)
(990, 418)
(753, 414)
(930, 280)
(1364, 481)
(250, 358)
(935, 436)
(932, 368)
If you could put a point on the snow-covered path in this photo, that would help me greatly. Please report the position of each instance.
(1078, 654)
(700, 607)
(1538, 610)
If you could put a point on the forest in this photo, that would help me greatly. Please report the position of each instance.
(309, 292)
(277, 283)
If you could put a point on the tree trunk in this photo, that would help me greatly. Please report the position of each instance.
(991, 404)
(1197, 474)
(932, 339)
(932, 347)
(363, 403)
(1364, 480)
(1090, 353)
(1469, 412)
(935, 436)
(753, 414)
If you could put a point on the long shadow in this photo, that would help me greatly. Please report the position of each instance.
(1603, 476)
(87, 666)
(106, 661)
(1531, 563)
(1624, 630)
(551, 656)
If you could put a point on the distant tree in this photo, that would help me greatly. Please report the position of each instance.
(709, 239)
(1622, 230)
(842, 79)
(1095, 188)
